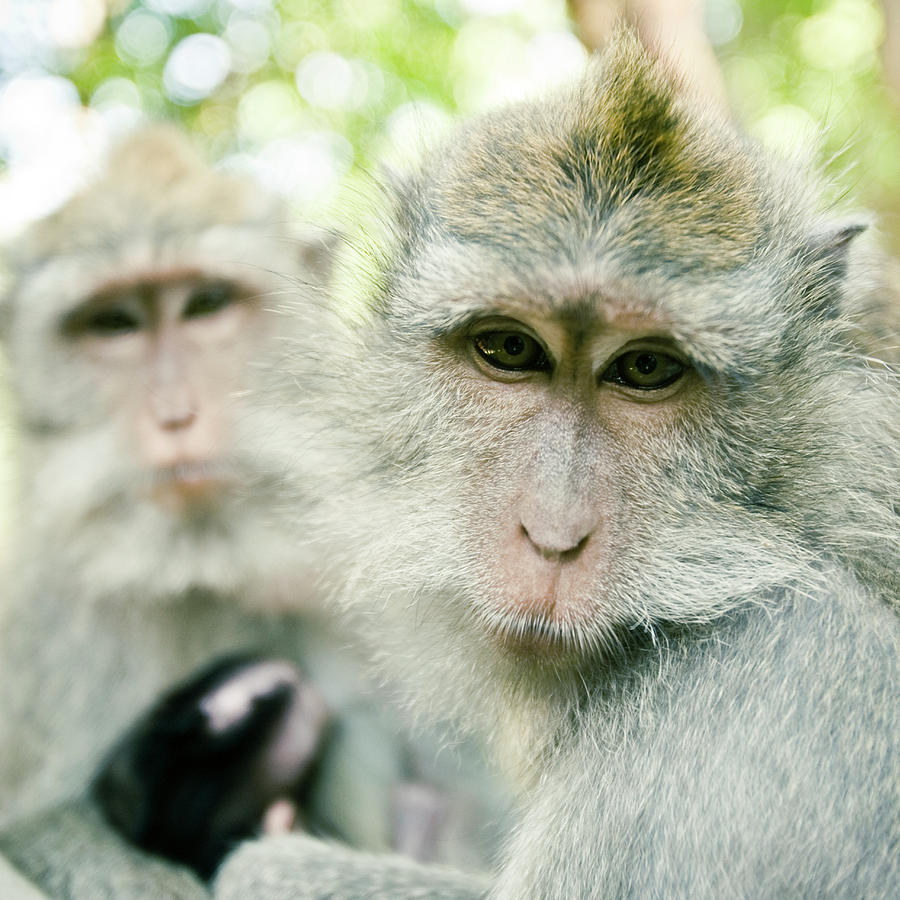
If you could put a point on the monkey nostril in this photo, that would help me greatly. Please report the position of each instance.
(576, 550)
(175, 421)
(556, 547)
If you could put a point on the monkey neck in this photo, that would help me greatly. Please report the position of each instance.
(531, 708)
(537, 715)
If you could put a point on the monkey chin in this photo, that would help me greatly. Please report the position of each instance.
(540, 631)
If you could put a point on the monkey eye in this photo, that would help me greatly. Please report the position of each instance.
(110, 322)
(645, 370)
(511, 351)
(208, 300)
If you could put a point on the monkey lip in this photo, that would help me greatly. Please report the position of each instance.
(189, 483)
(550, 622)
(540, 605)
(530, 634)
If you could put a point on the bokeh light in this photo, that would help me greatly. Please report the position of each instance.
(344, 84)
(118, 100)
(306, 167)
(723, 19)
(143, 37)
(75, 23)
(197, 65)
(844, 36)
(329, 81)
(250, 43)
(189, 9)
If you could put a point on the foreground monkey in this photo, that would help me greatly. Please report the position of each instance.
(627, 502)
(153, 534)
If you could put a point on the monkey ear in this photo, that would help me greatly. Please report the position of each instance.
(826, 257)
(318, 249)
(836, 238)
(7, 290)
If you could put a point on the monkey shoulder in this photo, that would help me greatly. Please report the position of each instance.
(758, 759)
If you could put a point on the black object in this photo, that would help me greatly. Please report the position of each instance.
(196, 774)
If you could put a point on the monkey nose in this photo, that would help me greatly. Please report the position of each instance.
(558, 543)
(177, 420)
(174, 412)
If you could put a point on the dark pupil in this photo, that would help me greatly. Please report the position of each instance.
(645, 363)
(208, 300)
(514, 345)
(111, 321)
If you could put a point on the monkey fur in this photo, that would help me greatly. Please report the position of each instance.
(704, 702)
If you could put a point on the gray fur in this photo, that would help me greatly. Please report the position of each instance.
(727, 724)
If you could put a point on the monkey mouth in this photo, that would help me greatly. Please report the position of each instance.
(193, 483)
(535, 632)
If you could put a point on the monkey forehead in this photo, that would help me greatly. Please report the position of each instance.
(722, 319)
(252, 259)
(623, 158)
(696, 221)
(155, 182)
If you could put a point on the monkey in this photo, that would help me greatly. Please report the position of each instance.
(213, 759)
(136, 317)
(152, 539)
(625, 495)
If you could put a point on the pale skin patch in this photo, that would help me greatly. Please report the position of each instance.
(232, 702)
(280, 817)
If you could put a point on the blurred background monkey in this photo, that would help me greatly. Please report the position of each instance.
(152, 538)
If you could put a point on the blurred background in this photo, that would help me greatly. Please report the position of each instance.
(309, 94)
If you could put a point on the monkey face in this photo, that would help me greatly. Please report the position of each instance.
(167, 356)
(585, 313)
(147, 464)
(562, 400)
(145, 330)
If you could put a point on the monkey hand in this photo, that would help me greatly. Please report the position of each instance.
(220, 758)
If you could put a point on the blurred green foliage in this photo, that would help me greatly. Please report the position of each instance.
(408, 42)
(812, 68)
(337, 71)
